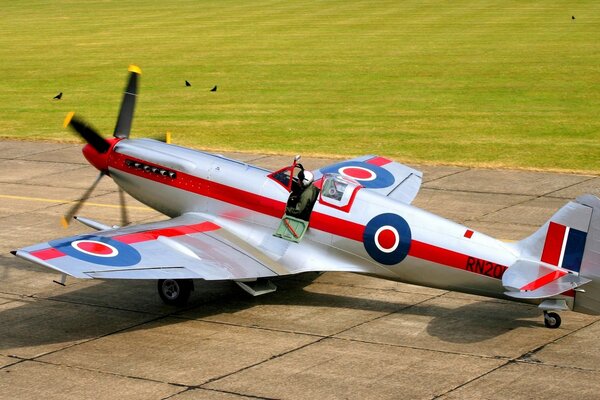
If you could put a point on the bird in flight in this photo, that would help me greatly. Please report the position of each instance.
(187, 83)
(214, 89)
(58, 96)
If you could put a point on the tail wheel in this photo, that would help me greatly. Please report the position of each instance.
(175, 292)
(551, 320)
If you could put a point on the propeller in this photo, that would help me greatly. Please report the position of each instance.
(101, 146)
(65, 220)
(87, 132)
(75, 207)
(123, 127)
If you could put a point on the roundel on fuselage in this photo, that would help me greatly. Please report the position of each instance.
(368, 175)
(387, 238)
(98, 250)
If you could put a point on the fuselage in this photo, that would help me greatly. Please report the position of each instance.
(249, 203)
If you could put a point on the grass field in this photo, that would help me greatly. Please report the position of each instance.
(480, 83)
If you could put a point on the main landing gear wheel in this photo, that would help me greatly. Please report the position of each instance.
(551, 320)
(175, 292)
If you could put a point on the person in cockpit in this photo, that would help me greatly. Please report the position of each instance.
(306, 199)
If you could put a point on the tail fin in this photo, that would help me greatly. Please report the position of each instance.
(561, 241)
(562, 255)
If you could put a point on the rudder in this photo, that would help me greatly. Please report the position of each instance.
(561, 241)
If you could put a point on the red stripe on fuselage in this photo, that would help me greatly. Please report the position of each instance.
(47, 254)
(336, 226)
(323, 222)
(450, 258)
(553, 244)
(203, 187)
(437, 255)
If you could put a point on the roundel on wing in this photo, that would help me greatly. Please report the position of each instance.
(387, 238)
(368, 175)
(98, 250)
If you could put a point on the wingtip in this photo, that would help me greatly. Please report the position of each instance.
(68, 119)
(135, 69)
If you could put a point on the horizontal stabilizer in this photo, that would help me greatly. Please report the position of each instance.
(537, 280)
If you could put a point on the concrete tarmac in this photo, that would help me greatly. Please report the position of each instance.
(333, 336)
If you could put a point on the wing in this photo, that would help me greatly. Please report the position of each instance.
(381, 175)
(188, 246)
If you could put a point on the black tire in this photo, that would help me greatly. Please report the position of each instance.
(552, 320)
(175, 292)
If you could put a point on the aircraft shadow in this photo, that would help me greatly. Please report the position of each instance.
(105, 307)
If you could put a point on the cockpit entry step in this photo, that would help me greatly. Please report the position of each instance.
(291, 229)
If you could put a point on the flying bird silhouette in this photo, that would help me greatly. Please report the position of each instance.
(187, 83)
(58, 96)
(573, 17)
(214, 89)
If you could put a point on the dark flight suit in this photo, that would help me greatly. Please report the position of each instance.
(305, 203)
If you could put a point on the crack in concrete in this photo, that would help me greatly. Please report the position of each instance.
(103, 372)
(191, 388)
(22, 157)
(323, 338)
(444, 176)
(544, 195)
(549, 194)
(520, 359)
(531, 353)
(473, 380)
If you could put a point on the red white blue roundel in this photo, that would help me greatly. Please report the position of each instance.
(387, 238)
(98, 250)
(368, 175)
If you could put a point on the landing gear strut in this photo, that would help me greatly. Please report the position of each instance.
(175, 292)
(551, 320)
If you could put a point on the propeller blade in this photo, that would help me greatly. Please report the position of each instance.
(88, 133)
(124, 218)
(71, 213)
(123, 127)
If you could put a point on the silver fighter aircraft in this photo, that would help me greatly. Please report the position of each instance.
(234, 221)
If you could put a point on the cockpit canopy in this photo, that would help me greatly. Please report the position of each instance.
(338, 191)
(288, 177)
